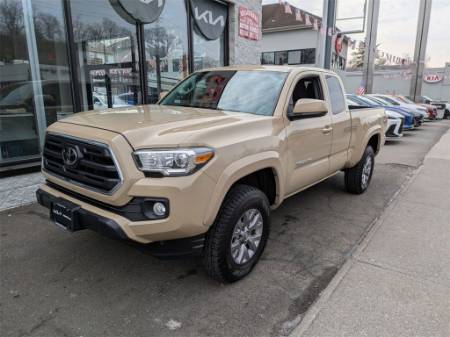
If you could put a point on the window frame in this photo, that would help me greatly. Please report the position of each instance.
(294, 83)
(302, 51)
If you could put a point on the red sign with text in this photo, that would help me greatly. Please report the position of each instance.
(249, 27)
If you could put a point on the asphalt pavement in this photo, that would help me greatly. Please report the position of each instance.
(54, 283)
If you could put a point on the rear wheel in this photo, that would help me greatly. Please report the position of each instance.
(237, 239)
(357, 178)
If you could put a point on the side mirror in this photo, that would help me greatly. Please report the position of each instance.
(162, 94)
(309, 108)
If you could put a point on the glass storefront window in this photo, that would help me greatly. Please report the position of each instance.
(166, 49)
(106, 46)
(268, 58)
(18, 127)
(34, 92)
(294, 57)
(53, 59)
(396, 38)
(281, 57)
(437, 59)
(208, 53)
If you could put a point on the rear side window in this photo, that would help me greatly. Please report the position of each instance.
(337, 99)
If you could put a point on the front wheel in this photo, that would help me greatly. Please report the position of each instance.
(357, 178)
(237, 238)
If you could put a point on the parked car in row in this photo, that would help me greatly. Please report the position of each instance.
(409, 117)
(395, 122)
(431, 109)
(419, 114)
(443, 107)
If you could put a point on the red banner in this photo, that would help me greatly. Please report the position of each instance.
(249, 27)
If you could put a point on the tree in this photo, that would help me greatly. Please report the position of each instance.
(357, 60)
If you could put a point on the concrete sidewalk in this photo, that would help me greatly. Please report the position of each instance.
(397, 283)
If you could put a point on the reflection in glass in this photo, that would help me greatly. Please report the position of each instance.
(54, 66)
(396, 38)
(18, 131)
(166, 49)
(268, 58)
(254, 92)
(207, 53)
(107, 49)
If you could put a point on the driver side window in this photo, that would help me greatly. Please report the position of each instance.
(306, 87)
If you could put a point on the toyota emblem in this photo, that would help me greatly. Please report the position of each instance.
(70, 155)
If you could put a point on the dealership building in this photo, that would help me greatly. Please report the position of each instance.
(59, 57)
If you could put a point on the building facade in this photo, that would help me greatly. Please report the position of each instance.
(59, 57)
(292, 36)
(435, 82)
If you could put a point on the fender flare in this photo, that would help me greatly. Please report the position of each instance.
(358, 153)
(238, 170)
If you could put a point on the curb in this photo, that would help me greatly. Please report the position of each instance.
(324, 296)
(360, 246)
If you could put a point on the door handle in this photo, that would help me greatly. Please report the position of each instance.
(327, 129)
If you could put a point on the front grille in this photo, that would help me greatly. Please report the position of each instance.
(92, 166)
(390, 131)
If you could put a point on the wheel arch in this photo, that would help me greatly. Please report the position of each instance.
(252, 170)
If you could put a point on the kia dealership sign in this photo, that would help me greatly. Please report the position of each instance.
(433, 78)
(249, 27)
(210, 17)
(141, 11)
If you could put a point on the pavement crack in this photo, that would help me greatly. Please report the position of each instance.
(401, 272)
(43, 321)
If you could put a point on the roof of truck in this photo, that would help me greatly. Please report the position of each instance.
(286, 69)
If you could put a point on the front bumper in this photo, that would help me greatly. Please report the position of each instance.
(184, 220)
(87, 219)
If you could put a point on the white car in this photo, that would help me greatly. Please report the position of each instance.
(100, 102)
(395, 101)
(394, 126)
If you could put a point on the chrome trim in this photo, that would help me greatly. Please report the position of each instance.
(77, 183)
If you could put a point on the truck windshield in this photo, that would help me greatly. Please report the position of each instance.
(254, 92)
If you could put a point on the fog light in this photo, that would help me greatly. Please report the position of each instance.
(159, 209)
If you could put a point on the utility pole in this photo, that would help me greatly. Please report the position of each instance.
(370, 51)
(420, 48)
(329, 16)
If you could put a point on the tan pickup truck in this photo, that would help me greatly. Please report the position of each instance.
(199, 172)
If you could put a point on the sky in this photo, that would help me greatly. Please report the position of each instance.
(397, 25)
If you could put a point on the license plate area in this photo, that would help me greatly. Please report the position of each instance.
(64, 214)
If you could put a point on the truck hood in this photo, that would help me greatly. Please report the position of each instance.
(158, 125)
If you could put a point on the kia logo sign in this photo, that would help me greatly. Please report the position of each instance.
(141, 11)
(210, 17)
(433, 78)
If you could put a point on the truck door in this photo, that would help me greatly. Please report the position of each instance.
(309, 139)
(341, 123)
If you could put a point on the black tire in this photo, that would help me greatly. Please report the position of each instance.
(354, 176)
(218, 260)
(446, 114)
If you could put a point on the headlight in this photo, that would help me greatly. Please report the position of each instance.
(176, 162)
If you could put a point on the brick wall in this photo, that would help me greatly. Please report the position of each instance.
(243, 51)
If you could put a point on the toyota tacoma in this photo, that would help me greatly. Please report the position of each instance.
(200, 172)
